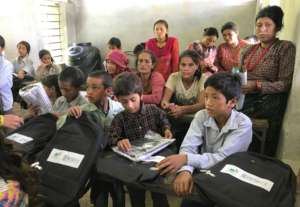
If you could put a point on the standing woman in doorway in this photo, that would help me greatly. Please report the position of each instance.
(228, 53)
(165, 48)
(270, 67)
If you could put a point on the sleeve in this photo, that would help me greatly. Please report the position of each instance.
(157, 83)
(237, 140)
(171, 82)
(175, 55)
(218, 60)
(285, 72)
(116, 130)
(6, 76)
(193, 140)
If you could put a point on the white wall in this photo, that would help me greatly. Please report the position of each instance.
(132, 20)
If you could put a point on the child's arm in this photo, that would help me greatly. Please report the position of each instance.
(116, 133)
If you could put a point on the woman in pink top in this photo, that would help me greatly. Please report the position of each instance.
(206, 48)
(153, 82)
(228, 54)
(165, 48)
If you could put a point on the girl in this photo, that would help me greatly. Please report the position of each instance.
(116, 62)
(165, 49)
(153, 82)
(46, 67)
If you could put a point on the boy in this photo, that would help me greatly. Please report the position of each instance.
(215, 133)
(133, 123)
(99, 86)
(69, 80)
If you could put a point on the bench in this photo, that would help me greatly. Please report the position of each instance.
(260, 128)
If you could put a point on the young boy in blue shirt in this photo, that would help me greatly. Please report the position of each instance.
(215, 133)
(133, 123)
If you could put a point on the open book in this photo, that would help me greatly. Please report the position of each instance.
(143, 148)
(35, 94)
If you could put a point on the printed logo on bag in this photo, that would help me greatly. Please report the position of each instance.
(19, 138)
(66, 158)
(248, 177)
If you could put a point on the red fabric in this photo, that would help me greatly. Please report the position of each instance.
(228, 57)
(120, 59)
(157, 83)
(167, 56)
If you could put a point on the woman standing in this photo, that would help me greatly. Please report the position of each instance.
(153, 82)
(165, 49)
(270, 67)
(228, 54)
(206, 48)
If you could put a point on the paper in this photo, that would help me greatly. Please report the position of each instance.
(66, 158)
(155, 159)
(19, 138)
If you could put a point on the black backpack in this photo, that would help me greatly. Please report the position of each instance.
(40, 129)
(67, 161)
(248, 179)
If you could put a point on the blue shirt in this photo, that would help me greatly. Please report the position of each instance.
(6, 83)
(206, 145)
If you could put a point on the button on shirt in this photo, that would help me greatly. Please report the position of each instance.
(206, 145)
(6, 83)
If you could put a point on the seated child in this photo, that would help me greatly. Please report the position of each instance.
(215, 133)
(99, 86)
(116, 62)
(133, 123)
(47, 67)
(70, 80)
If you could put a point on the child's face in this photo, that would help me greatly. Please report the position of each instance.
(22, 50)
(131, 103)
(187, 67)
(50, 91)
(111, 67)
(95, 91)
(230, 36)
(144, 63)
(46, 59)
(209, 41)
(67, 90)
(216, 104)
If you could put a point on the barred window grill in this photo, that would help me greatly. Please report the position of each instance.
(52, 29)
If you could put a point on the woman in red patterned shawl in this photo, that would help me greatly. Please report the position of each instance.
(165, 48)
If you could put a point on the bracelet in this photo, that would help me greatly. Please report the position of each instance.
(258, 85)
(1, 120)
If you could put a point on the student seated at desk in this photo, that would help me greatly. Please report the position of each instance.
(69, 80)
(215, 133)
(133, 123)
(99, 87)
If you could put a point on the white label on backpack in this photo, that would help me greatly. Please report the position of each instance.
(247, 177)
(64, 157)
(19, 138)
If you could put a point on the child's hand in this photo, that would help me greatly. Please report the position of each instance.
(75, 111)
(21, 74)
(172, 164)
(124, 145)
(164, 105)
(183, 183)
(168, 134)
(33, 111)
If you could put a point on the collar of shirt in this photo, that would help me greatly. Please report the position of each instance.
(142, 110)
(230, 124)
(24, 59)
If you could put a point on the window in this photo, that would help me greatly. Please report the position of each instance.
(53, 28)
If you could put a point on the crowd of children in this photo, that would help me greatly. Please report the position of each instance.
(191, 96)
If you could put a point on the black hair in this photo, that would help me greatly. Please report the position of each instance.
(2, 42)
(72, 75)
(44, 52)
(196, 59)
(226, 83)
(26, 44)
(115, 42)
(152, 56)
(104, 76)
(52, 81)
(127, 83)
(138, 48)
(161, 21)
(12, 167)
(273, 12)
(210, 31)
(230, 26)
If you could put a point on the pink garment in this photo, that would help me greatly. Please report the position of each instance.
(228, 57)
(167, 56)
(157, 84)
(120, 59)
